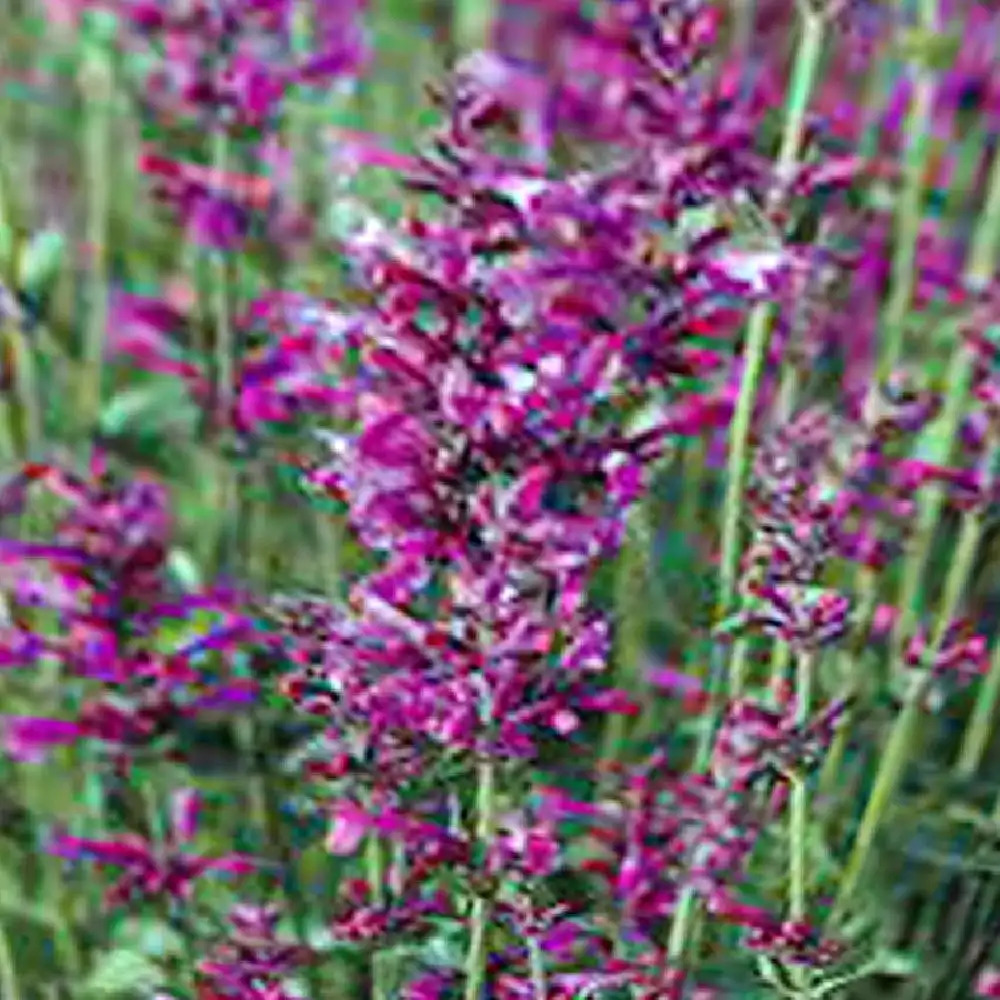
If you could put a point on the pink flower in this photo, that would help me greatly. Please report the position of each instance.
(988, 983)
(152, 870)
(29, 738)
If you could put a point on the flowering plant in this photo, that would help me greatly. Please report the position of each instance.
(497, 757)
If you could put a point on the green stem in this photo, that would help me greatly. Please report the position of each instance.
(758, 335)
(979, 729)
(680, 926)
(96, 84)
(10, 215)
(932, 497)
(375, 871)
(799, 814)
(475, 961)
(894, 759)
(954, 585)
(26, 430)
(941, 437)
(631, 581)
(807, 61)
(224, 345)
(848, 661)
(982, 256)
(9, 988)
(910, 212)
(901, 737)
(26, 388)
(536, 962)
(781, 656)
(717, 700)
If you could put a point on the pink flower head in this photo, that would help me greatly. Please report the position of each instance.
(152, 870)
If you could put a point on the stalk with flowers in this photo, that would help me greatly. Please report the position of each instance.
(504, 775)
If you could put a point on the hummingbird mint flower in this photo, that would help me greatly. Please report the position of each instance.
(253, 962)
(153, 870)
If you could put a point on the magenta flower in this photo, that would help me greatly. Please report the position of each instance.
(253, 962)
(430, 986)
(988, 983)
(29, 738)
(289, 375)
(804, 617)
(154, 870)
(360, 920)
(961, 657)
(754, 741)
(147, 331)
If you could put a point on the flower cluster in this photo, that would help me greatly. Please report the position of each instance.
(228, 71)
(602, 211)
(104, 579)
(489, 459)
(253, 962)
(295, 344)
(151, 870)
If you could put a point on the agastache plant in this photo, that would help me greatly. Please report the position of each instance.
(494, 462)
(104, 577)
(624, 254)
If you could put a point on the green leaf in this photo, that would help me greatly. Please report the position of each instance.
(153, 939)
(183, 568)
(6, 246)
(731, 625)
(100, 28)
(931, 49)
(122, 973)
(444, 950)
(157, 407)
(42, 262)
(902, 964)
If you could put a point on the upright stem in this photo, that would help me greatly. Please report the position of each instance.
(907, 225)
(680, 926)
(9, 987)
(982, 256)
(798, 833)
(536, 962)
(932, 498)
(867, 599)
(375, 871)
(781, 655)
(807, 61)
(897, 751)
(979, 729)
(894, 759)
(23, 432)
(96, 84)
(630, 626)
(10, 216)
(224, 346)
(969, 535)
(981, 264)
(479, 921)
